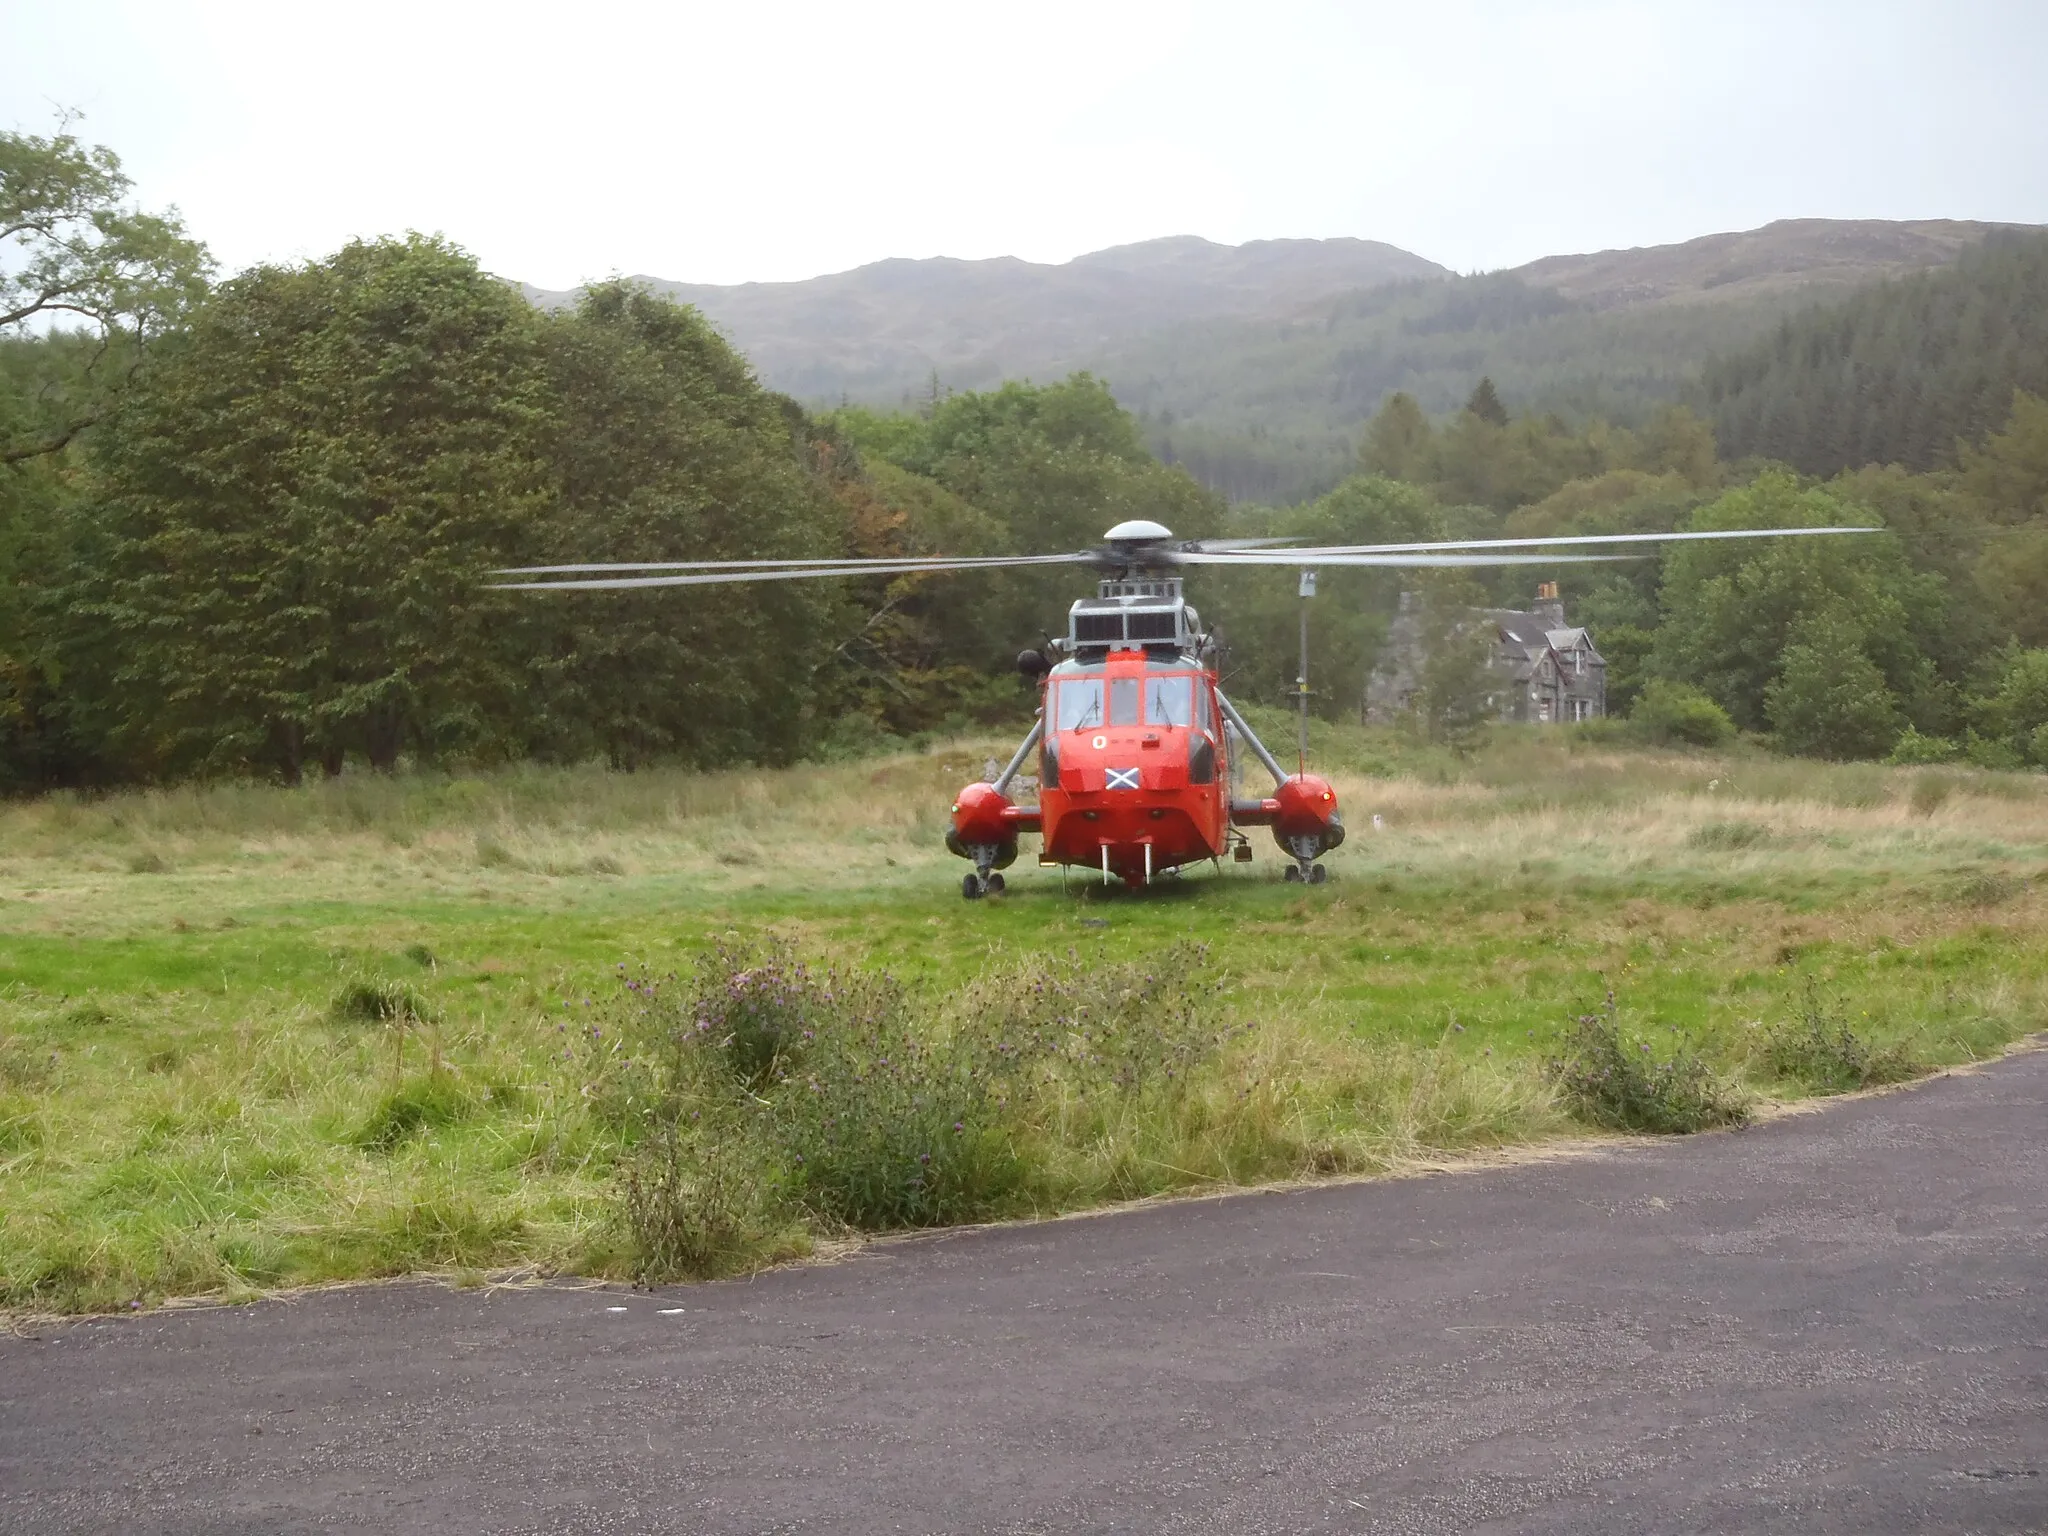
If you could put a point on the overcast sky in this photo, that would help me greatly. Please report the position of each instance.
(722, 143)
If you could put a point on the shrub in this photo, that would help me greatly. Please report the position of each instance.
(1677, 714)
(1612, 1080)
(1912, 749)
(757, 1003)
(1830, 700)
(865, 1103)
(1817, 1048)
(1991, 752)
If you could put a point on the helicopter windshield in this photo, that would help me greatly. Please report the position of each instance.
(1123, 701)
(1079, 704)
(1170, 700)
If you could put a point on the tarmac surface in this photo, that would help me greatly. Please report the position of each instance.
(1833, 1322)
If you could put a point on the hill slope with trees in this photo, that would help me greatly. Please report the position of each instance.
(1898, 374)
(1256, 365)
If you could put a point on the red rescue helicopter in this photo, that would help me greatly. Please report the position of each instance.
(1137, 744)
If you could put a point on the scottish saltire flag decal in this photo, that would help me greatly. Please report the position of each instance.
(1122, 778)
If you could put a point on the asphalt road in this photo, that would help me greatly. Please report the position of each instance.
(1835, 1322)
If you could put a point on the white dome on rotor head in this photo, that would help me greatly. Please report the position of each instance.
(1138, 530)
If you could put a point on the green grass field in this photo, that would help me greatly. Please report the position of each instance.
(185, 1111)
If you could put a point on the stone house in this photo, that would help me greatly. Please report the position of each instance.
(1544, 669)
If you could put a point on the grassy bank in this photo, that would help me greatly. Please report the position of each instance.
(253, 1037)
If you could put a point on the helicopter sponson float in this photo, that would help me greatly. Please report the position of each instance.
(1136, 743)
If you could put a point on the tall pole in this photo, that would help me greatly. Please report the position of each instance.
(1308, 590)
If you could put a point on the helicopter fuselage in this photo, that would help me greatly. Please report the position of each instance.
(1134, 769)
(1134, 757)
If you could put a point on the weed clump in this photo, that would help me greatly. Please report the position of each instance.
(1930, 792)
(1818, 1049)
(493, 854)
(24, 1064)
(1727, 836)
(1981, 888)
(374, 1000)
(1612, 1080)
(434, 1100)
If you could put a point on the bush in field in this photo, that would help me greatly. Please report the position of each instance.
(1915, 750)
(1677, 714)
(763, 1088)
(1612, 1080)
(909, 1111)
(1831, 700)
(1817, 1048)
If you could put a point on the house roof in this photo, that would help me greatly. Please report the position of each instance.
(1574, 640)
(1527, 630)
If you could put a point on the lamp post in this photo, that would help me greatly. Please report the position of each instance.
(1308, 590)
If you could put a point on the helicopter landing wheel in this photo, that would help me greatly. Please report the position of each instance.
(1318, 875)
(970, 887)
(1292, 875)
(997, 885)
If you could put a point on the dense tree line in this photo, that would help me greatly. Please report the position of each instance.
(1925, 641)
(1898, 374)
(250, 528)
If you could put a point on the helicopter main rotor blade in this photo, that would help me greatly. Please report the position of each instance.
(725, 577)
(1328, 557)
(1321, 552)
(846, 563)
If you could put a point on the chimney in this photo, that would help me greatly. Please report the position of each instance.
(1548, 606)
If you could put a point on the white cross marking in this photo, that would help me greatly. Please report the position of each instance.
(1122, 778)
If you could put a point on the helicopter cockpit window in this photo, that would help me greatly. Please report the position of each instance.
(1080, 704)
(1123, 701)
(1170, 701)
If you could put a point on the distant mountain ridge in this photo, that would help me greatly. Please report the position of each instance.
(880, 331)
(1807, 255)
(1256, 365)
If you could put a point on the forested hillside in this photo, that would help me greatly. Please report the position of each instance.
(1898, 374)
(1272, 413)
